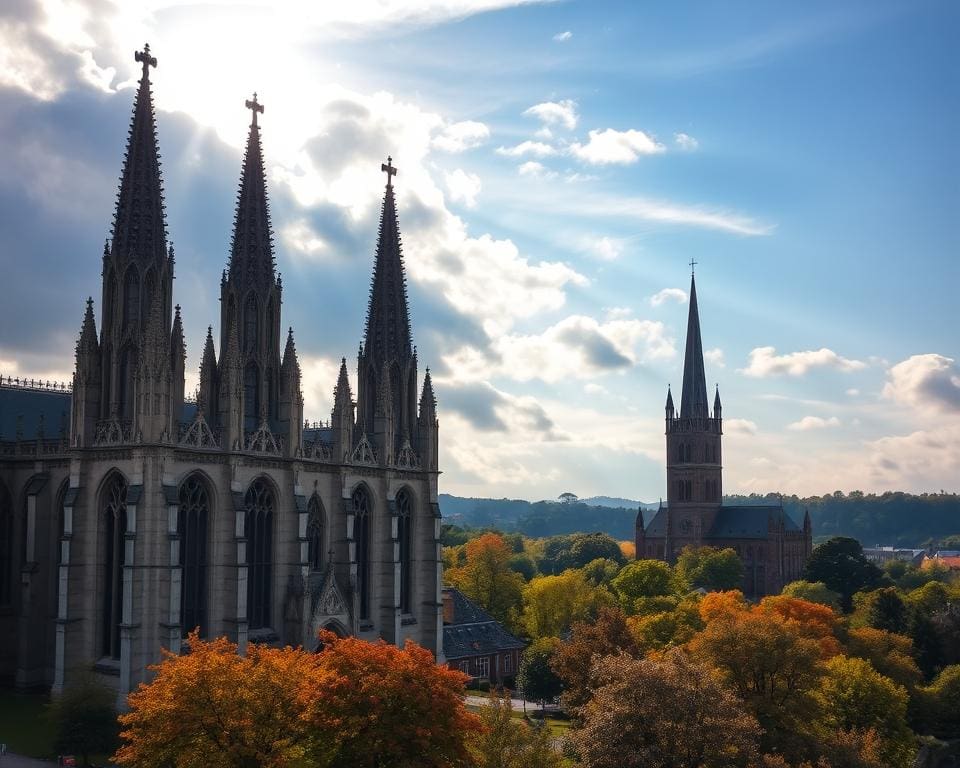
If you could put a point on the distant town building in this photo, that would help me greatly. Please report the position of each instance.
(886, 554)
(475, 643)
(773, 548)
(944, 557)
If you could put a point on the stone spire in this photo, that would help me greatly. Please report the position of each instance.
(178, 346)
(669, 406)
(87, 346)
(139, 225)
(693, 399)
(85, 407)
(290, 368)
(341, 418)
(341, 392)
(717, 408)
(428, 427)
(290, 414)
(208, 377)
(387, 336)
(251, 250)
(428, 400)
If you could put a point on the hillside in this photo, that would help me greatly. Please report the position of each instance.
(891, 518)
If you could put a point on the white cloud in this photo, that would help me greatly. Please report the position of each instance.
(715, 356)
(563, 113)
(929, 381)
(686, 142)
(739, 426)
(604, 248)
(300, 236)
(318, 376)
(765, 362)
(535, 169)
(576, 347)
(592, 388)
(459, 137)
(668, 294)
(535, 148)
(611, 146)
(853, 392)
(463, 187)
(562, 37)
(617, 313)
(808, 423)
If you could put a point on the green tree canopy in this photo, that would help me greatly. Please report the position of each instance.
(839, 563)
(712, 569)
(813, 592)
(536, 678)
(642, 578)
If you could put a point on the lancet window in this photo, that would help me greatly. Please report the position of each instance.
(192, 525)
(258, 529)
(405, 542)
(315, 534)
(361, 535)
(114, 511)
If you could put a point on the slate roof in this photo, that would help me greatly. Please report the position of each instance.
(31, 404)
(732, 522)
(473, 631)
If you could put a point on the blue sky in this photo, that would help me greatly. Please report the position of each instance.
(560, 165)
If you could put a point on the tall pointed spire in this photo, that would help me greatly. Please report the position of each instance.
(693, 399)
(251, 251)
(388, 320)
(139, 225)
(342, 397)
(87, 345)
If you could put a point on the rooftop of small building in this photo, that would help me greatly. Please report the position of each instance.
(472, 631)
(26, 404)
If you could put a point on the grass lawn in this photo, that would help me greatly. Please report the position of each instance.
(23, 725)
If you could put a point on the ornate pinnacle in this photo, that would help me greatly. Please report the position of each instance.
(254, 106)
(143, 57)
(386, 167)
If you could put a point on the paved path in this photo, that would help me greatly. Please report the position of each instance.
(532, 707)
(17, 761)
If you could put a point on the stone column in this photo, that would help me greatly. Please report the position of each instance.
(173, 623)
(63, 579)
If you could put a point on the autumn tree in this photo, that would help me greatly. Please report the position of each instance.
(840, 564)
(655, 631)
(607, 635)
(506, 742)
(642, 578)
(552, 603)
(813, 620)
(601, 572)
(536, 678)
(710, 568)
(813, 592)
(385, 706)
(854, 698)
(662, 713)
(889, 653)
(486, 577)
(213, 707)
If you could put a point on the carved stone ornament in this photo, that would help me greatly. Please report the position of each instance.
(364, 453)
(407, 457)
(262, 441)
(330, 602)
(198, 434)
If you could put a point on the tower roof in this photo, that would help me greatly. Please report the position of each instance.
(342, 396)
(139, 224)
(693, 400)
(87, 343)
(388, 321)
(251, 250)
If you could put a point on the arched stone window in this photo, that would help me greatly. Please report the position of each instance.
(6, 547)
(192, 525)
(361, 536)
(126, 384)
(405, 541)
(251, 323)
(251, 397)
(315, 534)
(114, 506)
(258, 529)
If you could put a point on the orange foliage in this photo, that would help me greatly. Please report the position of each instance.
(354, 704)
(814, 620)
(715, 605)
(629, 549)
(387, 706)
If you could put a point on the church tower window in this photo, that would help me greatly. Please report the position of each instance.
(405, 541)
(258, 529)
(115, 519)
(192, 526)
(6, 547)
(315, 534)
(251, 397)
(361, 535)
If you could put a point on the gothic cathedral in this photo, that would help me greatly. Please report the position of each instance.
(773, 549)
(151, 514)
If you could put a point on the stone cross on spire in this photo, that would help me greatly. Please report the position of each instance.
(388, 168)
(145, 58)
(692, 265)
(254, 106)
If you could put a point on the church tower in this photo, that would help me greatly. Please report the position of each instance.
(694, 484)
(140, 349)
(249, 370)
(387, 362)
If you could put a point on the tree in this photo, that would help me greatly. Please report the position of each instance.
(552, 603)
(506, 742)
(712, 569)
(667, 628)
(213, 707)
(606, 636)
(855, 698)
(568, 498)
(769, 661)
(642, 578)
(813, 620)
(536, 678)
(386, 706)
(662, 713)
(601, 572)
(939, 705)
(84, 719)
(890, 654)
(487, 578)
(887, 610)
(839, 563)
(813, 592)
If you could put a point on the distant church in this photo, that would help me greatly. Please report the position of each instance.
(130, 515)
(774, 550)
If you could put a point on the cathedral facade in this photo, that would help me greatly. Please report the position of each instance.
(130, 515)
(772, 547)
